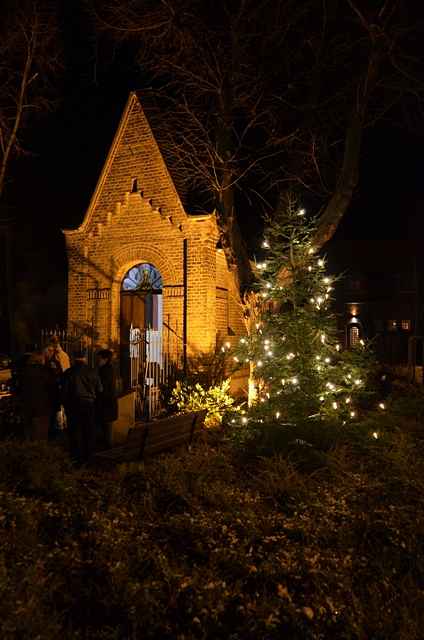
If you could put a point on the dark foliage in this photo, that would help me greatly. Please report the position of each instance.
(325, 542)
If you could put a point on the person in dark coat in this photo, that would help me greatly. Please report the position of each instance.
(38, 396)
(81, 387)
(107, 403)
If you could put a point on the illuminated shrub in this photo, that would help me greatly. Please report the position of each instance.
(216, 400)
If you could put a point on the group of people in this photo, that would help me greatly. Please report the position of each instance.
(55, 392)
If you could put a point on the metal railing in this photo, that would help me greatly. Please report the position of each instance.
(149, 363)
(72, 341)
(156, 357)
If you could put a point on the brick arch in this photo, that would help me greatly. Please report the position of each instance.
(128, 256)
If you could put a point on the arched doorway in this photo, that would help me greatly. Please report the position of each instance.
(141, 312)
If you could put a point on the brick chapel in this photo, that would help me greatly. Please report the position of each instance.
(138, 261)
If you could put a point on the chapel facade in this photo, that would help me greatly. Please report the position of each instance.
(138, 262)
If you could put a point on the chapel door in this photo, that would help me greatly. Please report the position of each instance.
(132, 324)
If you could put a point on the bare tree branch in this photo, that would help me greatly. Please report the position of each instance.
(28, 62)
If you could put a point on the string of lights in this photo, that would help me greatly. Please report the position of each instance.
(300, 370)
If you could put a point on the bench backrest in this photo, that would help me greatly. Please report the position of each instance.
(166, 433)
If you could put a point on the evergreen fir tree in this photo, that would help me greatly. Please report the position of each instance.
(300, 371)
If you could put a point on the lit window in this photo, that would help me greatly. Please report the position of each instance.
(406, 325)
(142, 276)
(392, 325)
(353, 336)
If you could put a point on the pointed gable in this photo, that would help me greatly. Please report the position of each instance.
(134, 156)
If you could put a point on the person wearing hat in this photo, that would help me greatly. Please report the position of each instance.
(81, 387)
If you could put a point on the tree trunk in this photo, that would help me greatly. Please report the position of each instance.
(347, 183)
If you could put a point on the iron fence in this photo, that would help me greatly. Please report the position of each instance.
(155, 359)
(149, 365)
(71, 341)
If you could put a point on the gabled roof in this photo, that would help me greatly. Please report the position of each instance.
(134, 155)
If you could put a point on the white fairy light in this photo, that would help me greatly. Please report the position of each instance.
(323, 338)
(265, 244)
(243, 340)
(269, 354)
(268, 285)
(235, 359)
(382, 405)
(283, 382)
(228, 345)
(375, 435)
(290, 356)
(277, 415)
(320, 262)
(337, 347)
(352, 414)
(310, 251)
(309, 268)
(321, 398)
(295, 380)
(244, 420)
(348, 400)
(335, 405)
(327, 360)
(358, 382)
(259, 363)
(264, 295)
(301, 212)
(317, 357)
(326, 280)
(223, 349)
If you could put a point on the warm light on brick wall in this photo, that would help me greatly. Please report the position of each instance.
(123, 228)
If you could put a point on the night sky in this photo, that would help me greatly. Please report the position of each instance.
(68, 148)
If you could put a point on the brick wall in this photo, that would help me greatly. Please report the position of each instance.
(129, 223)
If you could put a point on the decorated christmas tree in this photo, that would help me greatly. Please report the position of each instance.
(299, 369)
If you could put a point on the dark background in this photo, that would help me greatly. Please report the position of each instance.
(50, 188)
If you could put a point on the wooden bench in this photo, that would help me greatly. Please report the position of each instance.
(148, 438)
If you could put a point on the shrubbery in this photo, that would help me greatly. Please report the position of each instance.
(193, 397)
(322, 542)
